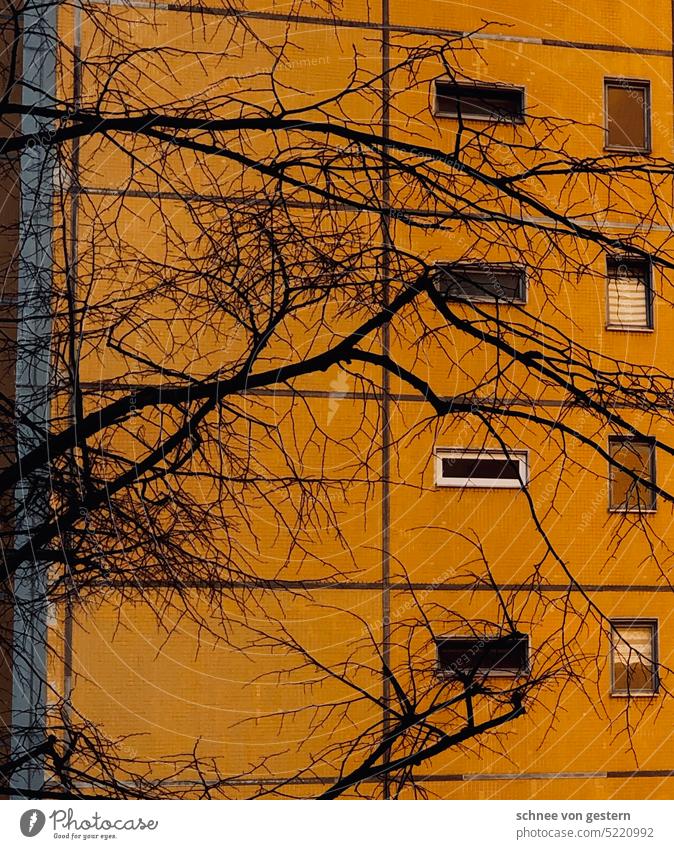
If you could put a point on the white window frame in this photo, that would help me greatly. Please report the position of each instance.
(521, 456)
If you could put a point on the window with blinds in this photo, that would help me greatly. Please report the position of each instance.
(629, 300)
(633, 657)
(637, 456)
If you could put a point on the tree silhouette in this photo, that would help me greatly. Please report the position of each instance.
(198, 252)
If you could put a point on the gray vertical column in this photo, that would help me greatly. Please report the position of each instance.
(33, 368)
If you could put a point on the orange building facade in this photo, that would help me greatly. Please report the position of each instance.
(415, 530)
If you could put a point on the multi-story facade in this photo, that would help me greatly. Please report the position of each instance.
(436, 518)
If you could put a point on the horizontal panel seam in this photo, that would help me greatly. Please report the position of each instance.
(351, 23)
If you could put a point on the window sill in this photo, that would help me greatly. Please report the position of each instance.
(480, 119)
(446, 675)
(497, 303)
(621, 328)
(633, 511)
(629, 151)
(481, 485)
(638, 695)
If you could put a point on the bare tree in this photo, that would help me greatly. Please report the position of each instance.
(220, 243)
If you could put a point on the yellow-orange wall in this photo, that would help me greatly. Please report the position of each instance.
(174, 685)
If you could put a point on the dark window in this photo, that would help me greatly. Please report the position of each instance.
(628, 118)
(468, 282)
(629, 299)
(479, 467)
(482, 102)
(466, 467)
(633, 657)
(637, 455)
(507, 655)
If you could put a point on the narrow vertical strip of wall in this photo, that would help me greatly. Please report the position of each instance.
(29, 662)
(386, 401)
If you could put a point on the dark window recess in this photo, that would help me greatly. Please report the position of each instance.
(487, 103)
(481, 283)
(627, 115)
(628, 266)
(507, 655)
(480, 468)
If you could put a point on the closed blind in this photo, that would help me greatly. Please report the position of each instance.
(627, 302)
(633, 667)
(636, 645)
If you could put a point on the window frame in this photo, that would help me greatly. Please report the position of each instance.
(629, 82)
(521, 455)
(653, 473)
(520, 90)
(521, 672)
(648, 285)
(651, 623)
(486, 268)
